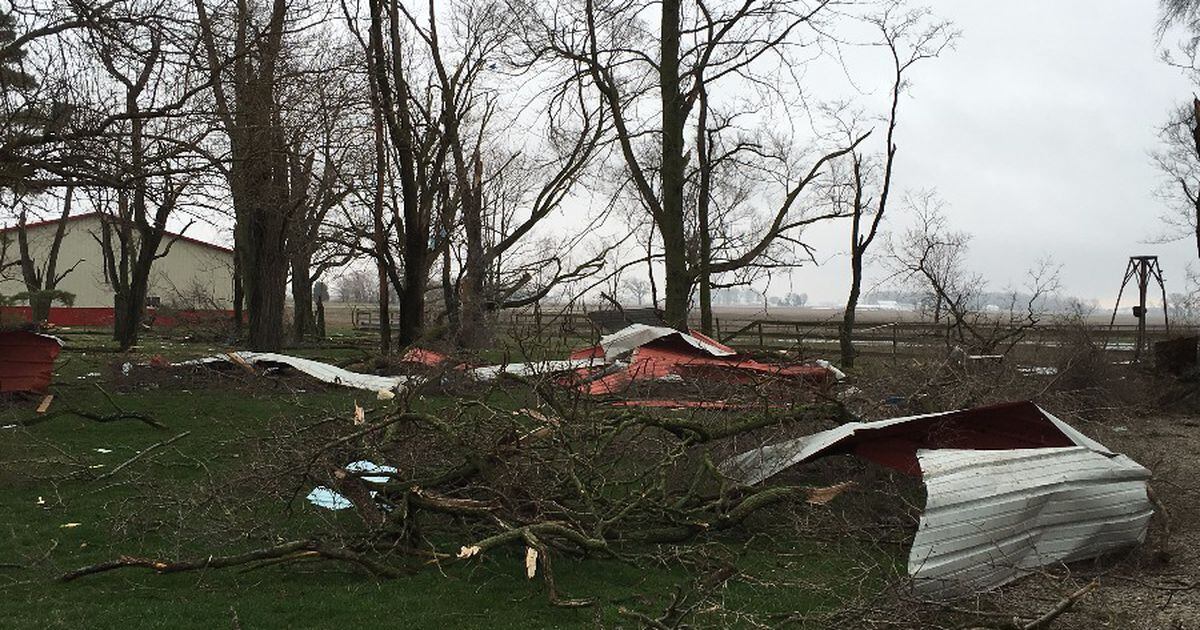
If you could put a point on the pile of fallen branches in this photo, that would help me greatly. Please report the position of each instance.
(558, 477)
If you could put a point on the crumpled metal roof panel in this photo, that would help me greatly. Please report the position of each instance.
(990, 516)
(1008, 488)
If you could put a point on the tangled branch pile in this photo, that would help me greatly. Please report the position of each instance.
(570, 479)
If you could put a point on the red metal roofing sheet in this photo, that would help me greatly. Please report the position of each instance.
(26, 361)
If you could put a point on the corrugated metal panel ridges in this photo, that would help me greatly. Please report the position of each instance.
(991, 516)
(998, 504)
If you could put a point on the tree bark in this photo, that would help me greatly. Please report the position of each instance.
(702, 208)
(671, 218)
(472, 326)
(302, 293)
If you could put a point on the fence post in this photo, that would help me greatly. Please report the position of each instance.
(761, 344)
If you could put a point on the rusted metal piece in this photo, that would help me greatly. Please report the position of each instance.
(27, 360)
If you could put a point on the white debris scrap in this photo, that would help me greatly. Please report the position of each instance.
(838, 375)
(332, 500)
(992, 516)
(535, 368)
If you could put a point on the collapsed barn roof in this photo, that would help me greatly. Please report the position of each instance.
(1009, 488)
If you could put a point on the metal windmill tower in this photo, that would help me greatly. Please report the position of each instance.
(1143, 269)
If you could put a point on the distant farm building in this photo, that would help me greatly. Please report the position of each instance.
(193, 280)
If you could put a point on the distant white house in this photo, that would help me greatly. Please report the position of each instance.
(192, 276)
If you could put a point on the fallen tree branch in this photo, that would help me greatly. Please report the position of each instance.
(293, 550)
(141, 454)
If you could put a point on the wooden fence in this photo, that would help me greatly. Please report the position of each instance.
(572, 326)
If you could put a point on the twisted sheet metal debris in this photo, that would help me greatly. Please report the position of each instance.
(321, 371)
(1009, 488)
(637, 335)
(534, 368)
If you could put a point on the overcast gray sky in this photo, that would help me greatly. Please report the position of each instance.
(1037, 131)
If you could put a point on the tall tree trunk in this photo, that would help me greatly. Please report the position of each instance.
(702, 207)
(412, 302)
(320, 317)
(671, 219)
(846, 333)
(302, 294)
(239, 296)
(381, 238)
(472, 325)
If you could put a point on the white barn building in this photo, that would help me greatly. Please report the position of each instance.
(193, 276)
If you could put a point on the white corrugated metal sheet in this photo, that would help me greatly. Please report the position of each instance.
(992, 515)
(534, 368)
(316, 369)
(636, 335)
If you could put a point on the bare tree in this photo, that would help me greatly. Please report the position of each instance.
(1179, 157)
(41, 281)
(153, 157)
(698, 46)
(33, 114)
(244, 55)
(933, 257)
(909, 36)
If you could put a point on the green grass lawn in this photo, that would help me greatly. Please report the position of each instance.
(45, 490)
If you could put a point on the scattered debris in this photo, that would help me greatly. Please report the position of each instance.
(1038, 370)
(332, 500)
(425, 357)
(536, 368)
(638, 335)
(656, 353)
(1009, 488)
(45, 404)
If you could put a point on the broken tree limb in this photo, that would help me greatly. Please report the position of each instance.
(1044, 620)
(294, 550)
(1061, 607)
(142, 453)
(695, 431)
(211, 562)
(94, 417)
(552, 529)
